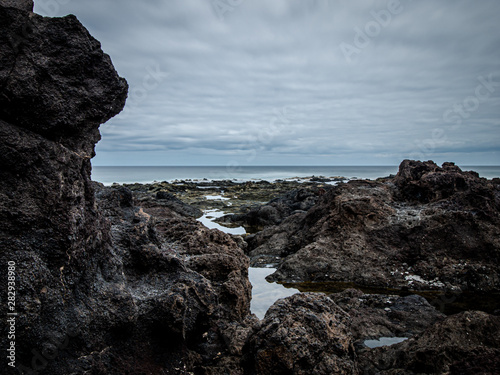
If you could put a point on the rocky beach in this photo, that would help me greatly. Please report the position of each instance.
(125, 279)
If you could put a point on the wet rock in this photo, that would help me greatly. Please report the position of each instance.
(165, 199)
(302, 334)
(376, 315)
(253, 204)
(466, 343)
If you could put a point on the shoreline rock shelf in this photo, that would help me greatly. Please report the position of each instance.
(134, 284)
(428, 228)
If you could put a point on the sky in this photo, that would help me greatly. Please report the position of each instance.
(298, 82)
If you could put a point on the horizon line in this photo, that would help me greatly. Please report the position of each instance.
(277, 166)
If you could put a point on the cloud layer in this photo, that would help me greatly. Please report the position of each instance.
(299, 82)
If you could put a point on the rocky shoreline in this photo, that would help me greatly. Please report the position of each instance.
(125, 280)
(243, 204)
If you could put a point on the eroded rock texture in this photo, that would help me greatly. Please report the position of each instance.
(105, 286)
(466, 344)
(430, 227)
(303, 334)
(99, 289)
(56, 88)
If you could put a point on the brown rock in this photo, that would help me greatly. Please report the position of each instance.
(303, 334)
(467, 343)
(376, 315)
(427, 228)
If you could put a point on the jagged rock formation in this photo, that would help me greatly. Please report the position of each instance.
(276, 210)
(56, 88)
(429, 227)
(105, 286)
(185, 284)
(26, 5)
(102, 286)
(98, 288)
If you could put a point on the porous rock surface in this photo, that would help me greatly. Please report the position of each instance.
(429, 227)
(467, 344)
(98, 288)
(377, 315)
(303, 334)
(276, 210)
(105, 286)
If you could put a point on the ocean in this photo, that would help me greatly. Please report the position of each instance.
(121, 175)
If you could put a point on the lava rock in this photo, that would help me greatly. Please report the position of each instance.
(57, 70)
(428, 228)
(377, 315)
(466, 344)
(276, 210)
(166, 199)
(26, 5)
(92, 269)
(303, 334)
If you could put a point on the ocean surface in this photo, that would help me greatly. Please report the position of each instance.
(121, 175)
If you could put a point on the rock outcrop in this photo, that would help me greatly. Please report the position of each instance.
(107, 284)
(98, 288)
(465, 344)
(303, 334)
(375, 315)
(276, 210)
(56, 88)
(429, 227)
(26, 5)
(187, 285)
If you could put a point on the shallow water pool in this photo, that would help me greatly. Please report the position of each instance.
(264, 294)
(384, 341)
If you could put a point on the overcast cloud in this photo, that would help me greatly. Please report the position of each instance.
(294, 82)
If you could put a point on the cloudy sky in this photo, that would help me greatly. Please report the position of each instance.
(299, 82)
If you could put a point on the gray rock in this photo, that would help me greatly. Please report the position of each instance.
(377, 315)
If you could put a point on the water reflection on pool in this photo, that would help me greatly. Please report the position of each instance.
(264, 294)
(208, 220)
(384, 341)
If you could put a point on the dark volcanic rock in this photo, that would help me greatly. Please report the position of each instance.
(56, 87)
(175, 204)
(43, 61)
(187, 284)
(465, 344)
(375, 315)
(109, 284)
(276, 210)
(303, 334)
(428, 228)
(98, 288)
(26, 5)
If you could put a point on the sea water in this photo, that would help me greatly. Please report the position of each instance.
(110, 175)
